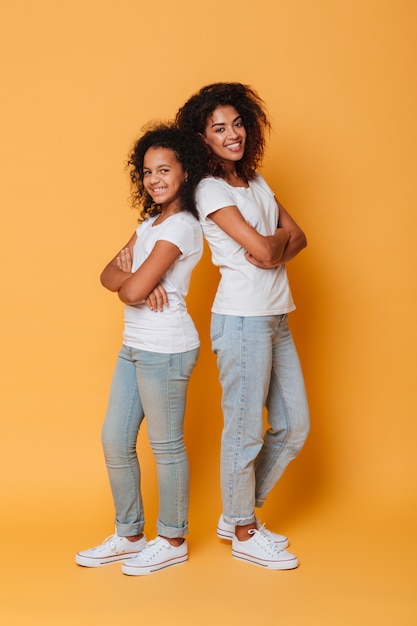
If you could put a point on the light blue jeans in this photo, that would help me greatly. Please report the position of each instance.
(259, 367)
(155, 385)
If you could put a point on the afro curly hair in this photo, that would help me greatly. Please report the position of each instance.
(188, 151)
(193, 116)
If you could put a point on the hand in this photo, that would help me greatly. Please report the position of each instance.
(264, 265)
(124, 260)
(157, 299)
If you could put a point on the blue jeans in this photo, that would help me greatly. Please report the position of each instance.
(155, 385)
(259, 367)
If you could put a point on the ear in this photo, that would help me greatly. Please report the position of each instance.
(202, 137)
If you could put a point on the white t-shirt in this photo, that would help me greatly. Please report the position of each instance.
(171, 330)
(244, 289)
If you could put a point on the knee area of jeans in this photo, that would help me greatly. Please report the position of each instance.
(297, 433)
(118, 453)
(302, 432)
(168, 447)
(295, 445)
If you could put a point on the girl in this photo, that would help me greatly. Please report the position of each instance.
(251, 237)
(158, 354)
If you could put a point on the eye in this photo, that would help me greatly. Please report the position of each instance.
(219, 130)
(164, 170)
(146, 173)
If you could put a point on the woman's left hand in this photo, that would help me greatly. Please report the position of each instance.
(157, 299)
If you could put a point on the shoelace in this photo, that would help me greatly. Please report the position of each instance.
(264, 531)
(152, 549)
(110, 543)
(264, 541)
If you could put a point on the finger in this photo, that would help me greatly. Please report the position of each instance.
(163, 294)
(151, 302)
(126, 260)
(159, 298)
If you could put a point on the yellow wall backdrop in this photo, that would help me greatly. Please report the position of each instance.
(79, 79)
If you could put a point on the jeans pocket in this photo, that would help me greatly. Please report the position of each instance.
(217, 326)
(188, 361)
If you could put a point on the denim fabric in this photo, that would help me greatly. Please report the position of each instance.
(155, 385)
(259, 367)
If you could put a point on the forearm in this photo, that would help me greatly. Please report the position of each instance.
(297, 239)
(132, 292)
(119, 268)
(112, 277)
(137, 287)
(296, 243)
(276, 246)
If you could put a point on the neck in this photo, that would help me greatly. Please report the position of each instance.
(167, 211)
(233, 178)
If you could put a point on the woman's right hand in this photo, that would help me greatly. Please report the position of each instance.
(124, 260)
(157, 299)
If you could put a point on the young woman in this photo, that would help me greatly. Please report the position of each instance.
(158, 354)
(251, 237)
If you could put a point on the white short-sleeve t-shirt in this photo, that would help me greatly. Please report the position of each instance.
(244, 289)
(171, 330)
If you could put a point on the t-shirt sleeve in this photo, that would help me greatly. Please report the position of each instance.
(180, 233)
(264, 185)
(212, 195)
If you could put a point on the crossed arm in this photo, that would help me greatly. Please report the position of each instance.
(295, 243)
(264, 251)
(135, 287)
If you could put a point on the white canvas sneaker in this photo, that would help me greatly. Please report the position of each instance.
(114, 548)
(158, 554)
(226, 531)
(260, 550)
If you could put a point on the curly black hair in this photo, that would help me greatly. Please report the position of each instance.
(188, 151)
(194, 113)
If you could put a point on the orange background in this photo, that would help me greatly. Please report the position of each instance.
(79, 80)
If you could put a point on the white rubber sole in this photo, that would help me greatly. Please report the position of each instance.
(144, 570)
(268, 564)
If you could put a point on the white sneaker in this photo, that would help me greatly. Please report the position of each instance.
(114, 548)
(259, 549)
(226, 531)
(158, 554)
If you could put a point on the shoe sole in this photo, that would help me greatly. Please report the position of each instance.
(224, 534)
(275, 565)
(133, 570)
(228, 536)
(88, 561)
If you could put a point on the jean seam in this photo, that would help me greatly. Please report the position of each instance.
(274, 461)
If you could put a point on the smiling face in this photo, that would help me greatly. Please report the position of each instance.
(163, 176)
(225, 134)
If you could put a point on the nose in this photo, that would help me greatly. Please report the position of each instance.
(153, 177)
(232, 132)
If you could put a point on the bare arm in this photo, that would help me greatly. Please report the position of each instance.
(137, 287)
(266, 248)
(296, 242)
(118, 269)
